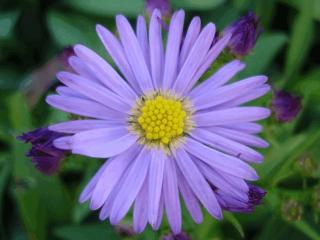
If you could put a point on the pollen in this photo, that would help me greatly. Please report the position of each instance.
(162, 119)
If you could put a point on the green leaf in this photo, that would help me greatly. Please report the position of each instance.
(300, 42)
(7, 21)
(5, 168)
(266, 49)
(108, 7)
(196, 4)
(71, 29)
(315, 11)
(307, 230)
(85, 232)
(235, 222)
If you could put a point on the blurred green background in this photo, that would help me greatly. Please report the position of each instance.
(32, 35)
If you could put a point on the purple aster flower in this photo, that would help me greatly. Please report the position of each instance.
(245, 32)
(44, 155)
(162, 5)
(285, 105)
(163, 134)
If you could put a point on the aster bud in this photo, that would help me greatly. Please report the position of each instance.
(291, 210)
(124, 230)
(44, 155)
(316, 198)
(162, 5)
(180, 236)
(245, 32)
(66, 53)
(285, 105)
(307, 165)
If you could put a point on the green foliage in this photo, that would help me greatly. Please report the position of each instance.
(34, 206)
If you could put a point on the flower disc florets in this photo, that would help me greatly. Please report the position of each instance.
(160, 119)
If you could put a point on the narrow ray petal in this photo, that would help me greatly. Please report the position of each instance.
(156, 49)
(115, 49)
(83, 107)
(197, 183)
(193, 61)
(231, 116)
(172, 50)
(220, 161)
(140, 211)
(171, 196)
(102, 143)
(131, 187)
(134, 54)
(142, 37)
(156, 172)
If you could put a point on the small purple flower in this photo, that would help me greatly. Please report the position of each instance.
(285, 105)
(180, 236)
(66, 53)
(44, 155)
(162, 5)
(245, 32)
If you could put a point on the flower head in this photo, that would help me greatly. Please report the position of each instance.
(162, 133)
(44, 155)
(245, 32)
(286, 106)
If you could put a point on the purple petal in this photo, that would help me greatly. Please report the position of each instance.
(250, 128)
(220, 161)
(131, 187)
(82, 125)
(226, 145)
(87, 191)
(156, 49)
(208, 60)
(214, 97)
(194, 59)
(142, 36)
(82, 69)
(190, 199)
(134, 54)
(111, 175)
(259, 92)
(95, 92)
(197, 183)
(191, 36)
(171, 196)
(64, 143)
(218, 79)
(68, 92)
(83, 107)
(156, 171)
(106, 74)
(115, 49)
(172, 50)
(140, 211)
(240, 137)
(102, 143)
(219, 182)
(230, 116)
(160, 214)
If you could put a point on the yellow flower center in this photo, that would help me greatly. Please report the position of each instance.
(162, 119)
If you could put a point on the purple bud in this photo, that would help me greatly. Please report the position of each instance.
(124, 230)
(180, 236)
(286, 106)
(291, 210)
(245, 32)
(232, 204)
(162, 5)
(44, 155)
(66, 53)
